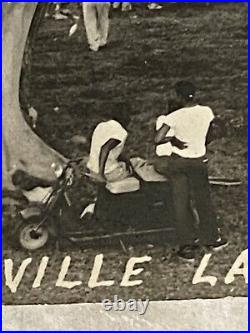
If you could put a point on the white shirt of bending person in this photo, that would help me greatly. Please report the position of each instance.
(105, 131)
(190, 125)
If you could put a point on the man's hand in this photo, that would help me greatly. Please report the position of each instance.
(178, 143)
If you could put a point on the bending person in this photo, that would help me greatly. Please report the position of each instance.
(107, 161)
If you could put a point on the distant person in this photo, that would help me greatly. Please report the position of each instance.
(183, 163)
(153, 6)
(58, 10)
(125, 6)
(96, 20)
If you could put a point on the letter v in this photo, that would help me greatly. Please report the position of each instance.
(8, 271)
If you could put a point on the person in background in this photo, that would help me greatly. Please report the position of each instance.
(126, 6)
(96, 20)
(184, 164)
(153, 6)
(58, 10)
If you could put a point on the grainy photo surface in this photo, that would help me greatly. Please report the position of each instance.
(124, 152)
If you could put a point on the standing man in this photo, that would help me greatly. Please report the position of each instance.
(185, 167)
(96, 20)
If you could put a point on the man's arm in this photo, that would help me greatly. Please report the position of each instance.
(217, 130)
(105, 150)
(161, 138)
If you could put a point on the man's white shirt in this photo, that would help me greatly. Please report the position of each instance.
(190, 125)
(105, 131)
(164, 149)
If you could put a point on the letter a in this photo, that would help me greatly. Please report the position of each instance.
(242, 260)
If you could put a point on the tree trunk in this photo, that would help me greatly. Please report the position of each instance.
(22, 149)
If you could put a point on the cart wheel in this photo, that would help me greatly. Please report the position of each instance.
(32, 236)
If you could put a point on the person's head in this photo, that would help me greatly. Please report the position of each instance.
(121, 113)
(185, 91)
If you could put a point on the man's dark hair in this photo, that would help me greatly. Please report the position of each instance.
(185, 89)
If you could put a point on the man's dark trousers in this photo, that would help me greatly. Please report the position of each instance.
(190, 175)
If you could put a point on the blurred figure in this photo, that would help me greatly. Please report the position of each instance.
(33, 116)
(153, 5)
(126, 6)
(96, 20)
(58, 10)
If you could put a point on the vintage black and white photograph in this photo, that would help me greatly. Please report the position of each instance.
(124, 152)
